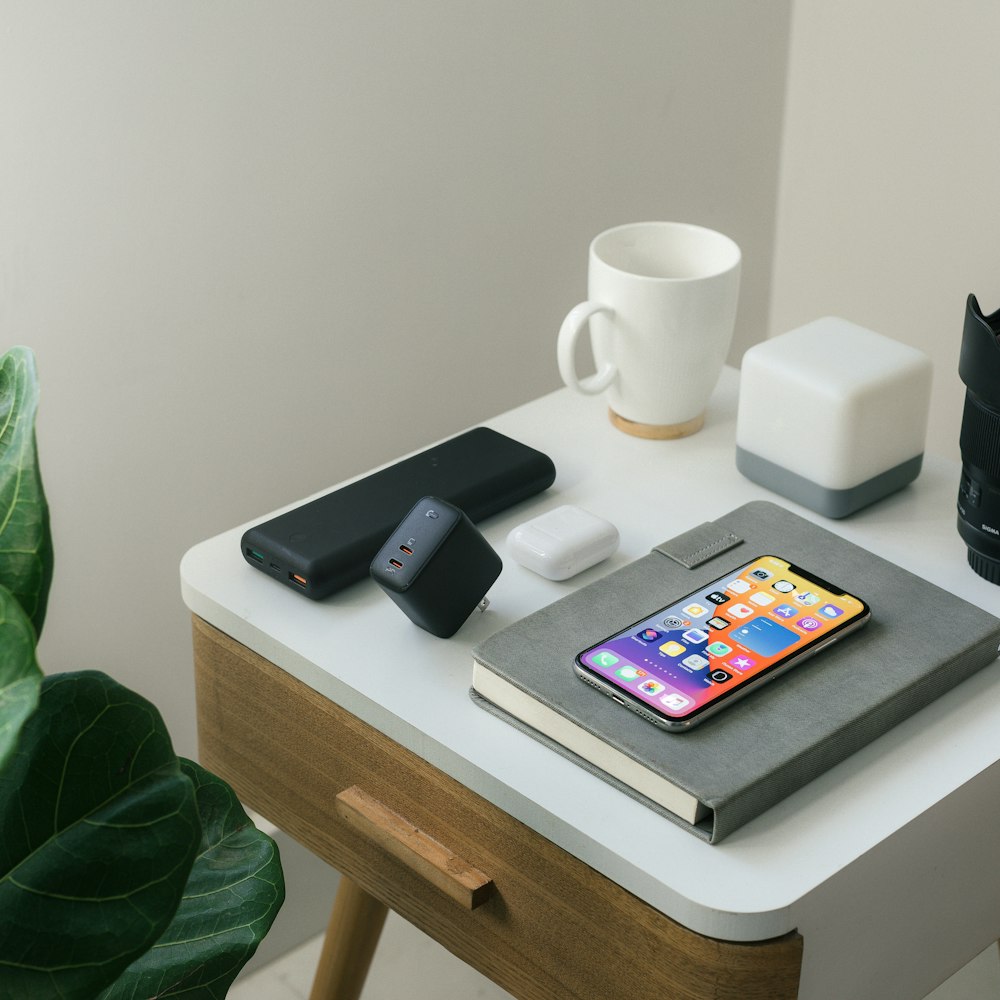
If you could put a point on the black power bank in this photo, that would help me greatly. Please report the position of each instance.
(329, 543)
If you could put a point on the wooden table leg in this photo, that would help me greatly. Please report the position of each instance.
(351, 936)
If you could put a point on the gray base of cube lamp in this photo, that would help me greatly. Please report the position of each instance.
(835, 503)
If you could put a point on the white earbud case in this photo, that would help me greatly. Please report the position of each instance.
(562, 542)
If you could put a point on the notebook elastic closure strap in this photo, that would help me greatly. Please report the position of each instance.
(697, 546)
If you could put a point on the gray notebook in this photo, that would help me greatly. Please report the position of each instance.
(921, 642)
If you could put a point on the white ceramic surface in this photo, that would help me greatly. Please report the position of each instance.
(661, 309)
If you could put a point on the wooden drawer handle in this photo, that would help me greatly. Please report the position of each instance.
(398, 836)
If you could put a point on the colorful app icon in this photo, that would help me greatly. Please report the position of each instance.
(761, 574)
(651, 687)
(717, 597)
(630, 673)
(603, 659)
(761, 599)
(784, 611)
(740, 611)
(717, 622)
(718, 649)
(765, 637)
(831, 611)
(673, 648)
(674, 622)
(648, 635)
(738, 586)
(695, 610)
(675, 701)
(694, 635)
(695, 662)
(783, 586)
(720, 676)
(809, 624)
(741, 662)
(807, 598)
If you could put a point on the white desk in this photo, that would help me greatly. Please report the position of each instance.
(888, 865)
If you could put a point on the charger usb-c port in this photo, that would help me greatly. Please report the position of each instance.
(296, 578)
(406, 550)
(396, 563)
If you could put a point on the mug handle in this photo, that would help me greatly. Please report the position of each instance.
(576, 319)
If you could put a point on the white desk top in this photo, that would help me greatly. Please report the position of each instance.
(772, 876)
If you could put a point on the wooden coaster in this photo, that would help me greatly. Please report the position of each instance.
(657, 432)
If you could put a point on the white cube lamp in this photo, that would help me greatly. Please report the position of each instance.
(832, 416)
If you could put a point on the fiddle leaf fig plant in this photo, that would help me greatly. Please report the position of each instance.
(25, 540)
(125, 871)
(20, 677)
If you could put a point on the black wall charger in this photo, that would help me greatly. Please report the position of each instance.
(436, 566)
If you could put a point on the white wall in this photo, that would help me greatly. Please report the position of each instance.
(890, 196)
(261, 246)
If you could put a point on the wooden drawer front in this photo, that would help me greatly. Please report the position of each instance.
(552, 928)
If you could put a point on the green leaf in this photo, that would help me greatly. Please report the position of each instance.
(20, 676)
(25, 542)
(98, 833)
(233, 894)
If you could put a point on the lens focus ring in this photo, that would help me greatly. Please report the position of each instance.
(980, 438)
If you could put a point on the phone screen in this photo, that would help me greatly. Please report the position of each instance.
(687, 657)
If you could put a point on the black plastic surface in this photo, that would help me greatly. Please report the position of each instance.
(330, 542)
(436, 566)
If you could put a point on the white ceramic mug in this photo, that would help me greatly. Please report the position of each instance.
(661, 308)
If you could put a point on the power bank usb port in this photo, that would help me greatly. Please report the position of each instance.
(255, 555)
(296, 578)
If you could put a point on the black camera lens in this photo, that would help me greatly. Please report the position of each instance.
(979, 489)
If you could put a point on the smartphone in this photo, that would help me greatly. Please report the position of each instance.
(691, 659)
